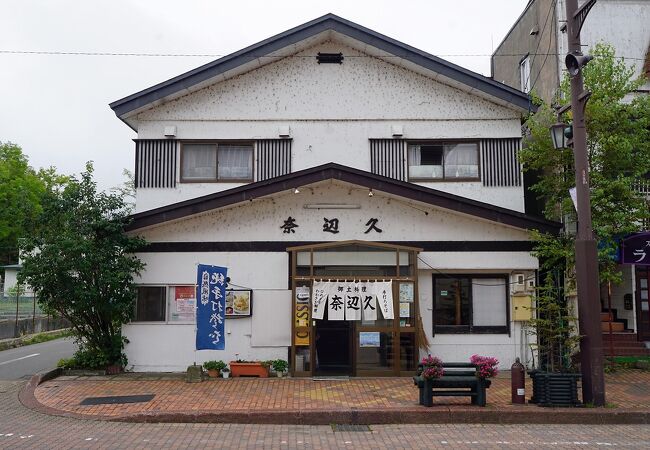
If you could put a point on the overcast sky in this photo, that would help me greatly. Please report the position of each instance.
(56, 106)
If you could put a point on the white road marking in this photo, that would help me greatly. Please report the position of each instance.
(18, 359)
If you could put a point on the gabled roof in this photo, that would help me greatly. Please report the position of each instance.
(200, 76)
(334, 171)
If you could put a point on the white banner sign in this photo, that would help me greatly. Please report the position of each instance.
(384, 292)
(336, 301)
(319, 299)
(352, 300)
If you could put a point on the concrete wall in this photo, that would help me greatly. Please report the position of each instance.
(333, 110)
(519, 42)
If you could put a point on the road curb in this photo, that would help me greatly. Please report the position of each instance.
(27, 397)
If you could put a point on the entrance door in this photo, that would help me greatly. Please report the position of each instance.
(333, 347)
(642, 303)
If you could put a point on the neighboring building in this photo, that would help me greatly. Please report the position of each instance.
(531, 57)
(332, 153)
(10, 278)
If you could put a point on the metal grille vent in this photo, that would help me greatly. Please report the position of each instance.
(329, 58)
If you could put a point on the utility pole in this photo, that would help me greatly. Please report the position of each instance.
(591, 344)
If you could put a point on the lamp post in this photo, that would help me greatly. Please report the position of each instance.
(591, 342)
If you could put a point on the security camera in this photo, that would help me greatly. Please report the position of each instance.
(576, 61)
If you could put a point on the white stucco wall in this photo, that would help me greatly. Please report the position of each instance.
(333, 110)
(399, 220)
(10, 280)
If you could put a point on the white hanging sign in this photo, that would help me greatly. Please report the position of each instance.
(384, 291)
(336, 301)
(368, 302)
(353, 301)
(319, 299)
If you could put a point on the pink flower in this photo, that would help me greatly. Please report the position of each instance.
(486, 366)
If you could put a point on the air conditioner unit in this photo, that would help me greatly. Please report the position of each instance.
(530, 284)
(519, 284)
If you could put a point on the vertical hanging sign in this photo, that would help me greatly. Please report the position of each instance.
(368, 303)
(353, 301)
(319, 299)
(384, 291)
(210, 309)
(336, 301)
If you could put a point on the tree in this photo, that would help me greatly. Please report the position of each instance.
(618, 143)
(81, 265)
(21, 197)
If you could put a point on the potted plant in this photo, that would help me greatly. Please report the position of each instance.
(242, 368)
(486, 366)
(555, 381)
(225, 372)
(279, 366)
(214, 368)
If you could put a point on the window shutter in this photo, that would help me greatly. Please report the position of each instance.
(388, 158)
(273, 158)
(155, 163)
(499, 162)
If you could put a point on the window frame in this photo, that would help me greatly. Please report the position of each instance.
(217, 144)
(443, 143)
(471, 329)
(524, 83)
(166, 308)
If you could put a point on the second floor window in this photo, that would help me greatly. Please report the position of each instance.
(217, 162)
(524, 74)
(443, 161)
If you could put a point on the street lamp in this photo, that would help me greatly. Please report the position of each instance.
(558, 136)
(586, 252)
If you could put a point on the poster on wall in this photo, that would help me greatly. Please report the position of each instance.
(301, 315)
(405, 310)
(184, 303)
(369, 339)
(406, 292)
(239, 303)
(211, 307)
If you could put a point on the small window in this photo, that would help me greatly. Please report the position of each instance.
(150, 304)
(217, 162)
(470, 304)
(524, 74)
(449, 161)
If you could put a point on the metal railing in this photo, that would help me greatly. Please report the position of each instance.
(21, 314)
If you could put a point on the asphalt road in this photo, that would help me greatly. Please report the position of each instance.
(23, 362)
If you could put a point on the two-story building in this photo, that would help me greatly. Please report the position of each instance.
(333, 155)
(531, 58)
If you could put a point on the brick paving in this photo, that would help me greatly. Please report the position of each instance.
(22, 428)
(626, 390)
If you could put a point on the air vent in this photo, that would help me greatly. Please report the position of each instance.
(329, 58)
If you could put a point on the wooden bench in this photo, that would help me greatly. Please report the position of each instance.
(455, 382)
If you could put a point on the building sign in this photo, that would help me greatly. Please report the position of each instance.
(301, 315)
(330, 225)
(184, 303)
(369, 339)
(239, 302)
(352, 300)
(211, 307)
(635, 249)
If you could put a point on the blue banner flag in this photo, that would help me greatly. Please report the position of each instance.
(210, 307)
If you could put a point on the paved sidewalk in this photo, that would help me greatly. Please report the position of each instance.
(302, 401)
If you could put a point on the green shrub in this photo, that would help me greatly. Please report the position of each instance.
(279, 365)
(214, 365)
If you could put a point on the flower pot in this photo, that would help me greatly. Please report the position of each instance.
(225, 374)
(248, 370)
(279, 374)
(213, 373)
(113, 369)
(555, 389)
